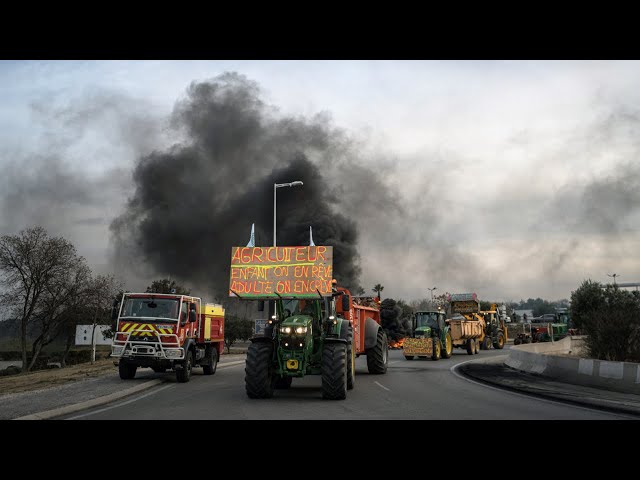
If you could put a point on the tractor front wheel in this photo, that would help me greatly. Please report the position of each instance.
(334, 371)
(448, 346)
(259, 378)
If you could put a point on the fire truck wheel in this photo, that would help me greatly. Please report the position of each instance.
(282, 383)
(378, 355)
(448, 346)
(213, 362)
(184, 374)
(334, 371)
(471, 346)
(126, 370)
(259, 379)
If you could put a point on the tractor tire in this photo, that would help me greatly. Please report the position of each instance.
(126, 370)
(334, 371)
(184, 374)
(283, 383)
(517, 341)
(487, 343)
(447, 351)
(159, 369)
(213, 362)
(499, 343)
(408, 357)
(259, 379)
(471, 346)
(378, 355)
(527, 339)
(437, 349)
(347, 334)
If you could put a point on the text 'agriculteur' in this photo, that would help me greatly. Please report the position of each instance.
(285, 271)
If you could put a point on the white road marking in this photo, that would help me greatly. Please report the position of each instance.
(382, 386)
(122, 404)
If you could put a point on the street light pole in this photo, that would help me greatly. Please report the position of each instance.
(431, 290)
(276, 186)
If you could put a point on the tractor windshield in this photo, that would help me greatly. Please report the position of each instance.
(150, 307)
(427, 319)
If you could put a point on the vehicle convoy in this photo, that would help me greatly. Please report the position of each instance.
(167, 331)
(430, 336)
(316, 328)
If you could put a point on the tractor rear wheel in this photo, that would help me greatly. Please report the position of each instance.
(259, 379)
(517, 341)
(334, 371)
(448, 346)
(213, 361)
(499, 343)
(378, 355)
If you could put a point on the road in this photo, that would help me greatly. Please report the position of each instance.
(419, 389)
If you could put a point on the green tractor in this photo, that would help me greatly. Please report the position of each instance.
(430, 335)
(303, 337)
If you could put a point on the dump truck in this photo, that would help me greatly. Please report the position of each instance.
(317, 327)
(430, 336)
(466, 324)
(166, 331)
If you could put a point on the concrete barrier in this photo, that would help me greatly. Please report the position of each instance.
(558, 360)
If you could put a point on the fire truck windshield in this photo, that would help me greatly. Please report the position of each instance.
(150, 307)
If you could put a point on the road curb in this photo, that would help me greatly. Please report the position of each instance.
(67, 409)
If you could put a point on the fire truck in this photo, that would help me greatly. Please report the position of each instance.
(166, 331)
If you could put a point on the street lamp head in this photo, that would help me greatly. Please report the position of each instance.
(296, 183)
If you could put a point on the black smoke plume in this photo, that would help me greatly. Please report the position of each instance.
(396, 326)
(196, 200)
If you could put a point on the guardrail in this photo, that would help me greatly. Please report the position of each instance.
(561, 360)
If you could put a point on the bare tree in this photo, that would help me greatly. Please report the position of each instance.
(30, 263)
(61, 298)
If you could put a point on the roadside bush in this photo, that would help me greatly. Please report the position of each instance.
(610, 318)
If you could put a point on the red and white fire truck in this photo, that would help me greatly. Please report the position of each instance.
(167, 331)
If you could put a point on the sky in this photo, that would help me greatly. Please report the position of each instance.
(512, 179)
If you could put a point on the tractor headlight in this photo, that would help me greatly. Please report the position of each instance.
(301, 330)
(286, 330)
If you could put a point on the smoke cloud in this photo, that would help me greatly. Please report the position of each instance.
(194, 201)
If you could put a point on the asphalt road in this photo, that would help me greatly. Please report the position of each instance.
(419, 389)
